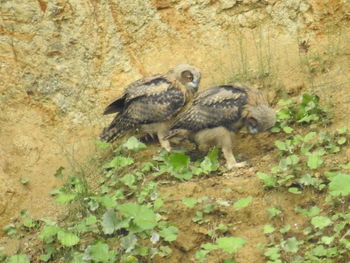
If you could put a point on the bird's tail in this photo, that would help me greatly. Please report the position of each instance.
(115, 130)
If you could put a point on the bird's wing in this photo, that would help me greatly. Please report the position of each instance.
(151, 85)
(148, 86)
(214, 107)
(154, 106)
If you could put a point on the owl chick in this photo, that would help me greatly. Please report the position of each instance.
(218, 112)
(151, 103)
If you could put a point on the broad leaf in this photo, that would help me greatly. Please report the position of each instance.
(128, 242)
(189, 202)
(109, 222)
(242, 203)
(268, 229)
(320, 222)
(340, 185)
(99, 253)
(133, 144)
(18, 259)
(143, 216)
(119, 162)
(230, 244)
(169, 234)
(67, 239)
(291, 245)
(314, 161)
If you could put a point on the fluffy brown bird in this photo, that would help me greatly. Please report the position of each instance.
(218, 112)
(151, 103)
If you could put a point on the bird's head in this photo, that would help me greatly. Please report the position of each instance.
(187, 75)
(260, 119)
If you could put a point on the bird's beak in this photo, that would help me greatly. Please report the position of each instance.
(193, 85)
(253, 130)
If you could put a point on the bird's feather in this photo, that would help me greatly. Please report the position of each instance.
(219, 106)
(150, 100)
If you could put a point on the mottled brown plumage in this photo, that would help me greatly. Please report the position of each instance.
(218, 112)
(152, 102)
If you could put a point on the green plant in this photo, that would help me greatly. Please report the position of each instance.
(226, 244)
(306, 112)
(117, 217)
(242, 203)
(300, 159)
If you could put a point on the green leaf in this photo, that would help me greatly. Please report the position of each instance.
(101, 144)
(67, 239)
(268, 180)
(320, 221)
(189, 202)
(78, 258)
(90, 220)
(131, 259)
(106, 200)
(230, 244)
(178, 161)
(341, 140)
(21, 258)
(109, 222)
(133, 144)
(45, 257)
(288, 129)
(294, 190)
(273, 253)
(49, 251)
(29, 223)
(268, 229)
(313, 211)
(284, 114)
(327, 240)
(281, 146)
(314, 161)
(210, 162)
(285, 229)
(309, 136)
(128, 242)
(143, 216)
(119, 162)
(242, 203)
(48, 233)
(64, 198)
(342, 130)
(128, 180)
(273, 212)
(201, 254)
(340, 185)
(291, 245)
(169, 234)
(290, 160)
(275, 129)
(345, 166)
(99, 253)
(158, 203)
(284, 102)
(307, 179)
(24, 181)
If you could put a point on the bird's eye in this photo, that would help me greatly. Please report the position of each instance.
(253, 122)
(189, 79)
(187, 76)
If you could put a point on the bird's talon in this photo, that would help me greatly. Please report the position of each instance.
(236, 165)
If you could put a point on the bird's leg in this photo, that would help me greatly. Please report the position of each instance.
(226, 146)
(161, 133)
(230, 159)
